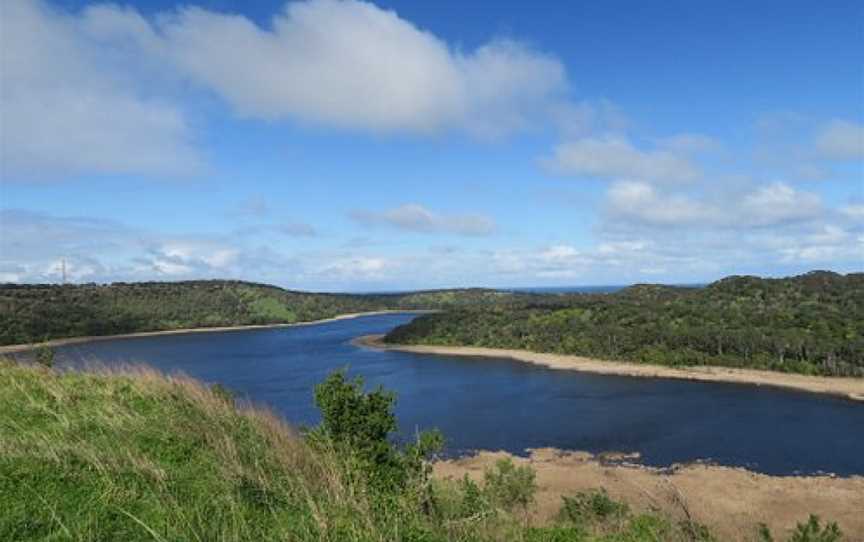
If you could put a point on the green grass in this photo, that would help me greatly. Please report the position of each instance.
(136, 455)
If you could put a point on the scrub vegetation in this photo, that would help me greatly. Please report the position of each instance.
(32, 313)
(810, 324)
(136, 455)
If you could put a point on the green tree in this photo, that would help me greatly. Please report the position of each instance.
(359, 424)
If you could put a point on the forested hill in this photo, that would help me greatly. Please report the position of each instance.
(34, 313)
(812, 323)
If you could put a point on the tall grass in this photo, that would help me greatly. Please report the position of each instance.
(133, 454)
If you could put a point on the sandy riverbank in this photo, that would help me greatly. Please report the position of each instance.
(851, 388)
(14, 348)
(731, 501)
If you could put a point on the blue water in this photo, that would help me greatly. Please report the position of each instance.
(482, 403)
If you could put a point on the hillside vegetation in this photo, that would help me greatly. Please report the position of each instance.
(812, 324)
(35, 313)
(139, 456)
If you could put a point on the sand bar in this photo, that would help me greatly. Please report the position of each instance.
(731, 501)
(850, 388)
(14, 348)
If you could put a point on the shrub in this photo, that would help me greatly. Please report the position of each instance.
(812, 531)
(591, 506)
(509, 486)
(358, 424)
(474, 501)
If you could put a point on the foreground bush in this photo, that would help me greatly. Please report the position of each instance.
(136, 455)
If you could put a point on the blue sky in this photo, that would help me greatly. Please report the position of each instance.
(344, 145)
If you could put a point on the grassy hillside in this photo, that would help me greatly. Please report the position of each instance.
(811, 324)
(138, 456)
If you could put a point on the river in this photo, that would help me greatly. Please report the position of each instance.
(501, 404)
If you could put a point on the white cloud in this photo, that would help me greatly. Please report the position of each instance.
(853, 211)
(640, 201)
(347, 64)
(841, 139)
(99, 250)
(100, 91)
(768, 205)
(801, 147)
(615, 157)
(827, 244)
(33, 245)
(68, 108)
(777, 203)
(354, 268)
(416, 218)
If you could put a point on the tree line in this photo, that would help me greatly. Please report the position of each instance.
(31, 313)
(811, 324)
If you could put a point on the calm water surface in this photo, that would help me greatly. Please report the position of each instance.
(482, 403)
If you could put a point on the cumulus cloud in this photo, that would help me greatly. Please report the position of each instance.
(416, 218)
(611, 157)
(33, 245)
(778, 203)
(348, 64)
(102, 251)
(853, 211)
(66, 107)
(100, 91)
(768, 205)
(825, 244)
(801, 147)
(356, 268)
(640, 201)
(841, 139)
(354, 65)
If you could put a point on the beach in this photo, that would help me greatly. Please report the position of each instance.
(850, 388)
(732, 502)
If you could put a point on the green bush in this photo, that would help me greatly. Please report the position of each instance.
(812, 531)
(510, 486)
(809, 531)
(591, 506)
(359, 424)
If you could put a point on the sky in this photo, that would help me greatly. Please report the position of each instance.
(367, 146)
